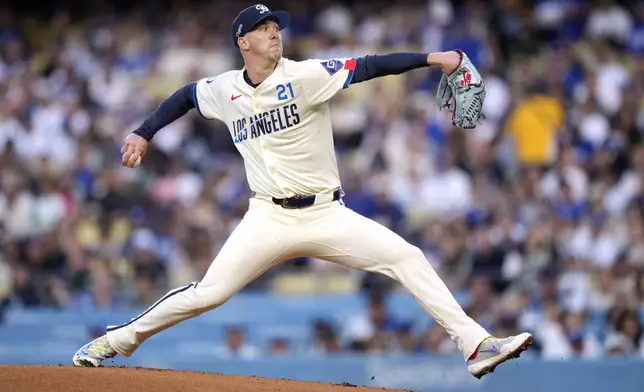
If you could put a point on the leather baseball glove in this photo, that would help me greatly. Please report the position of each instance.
(462, 93)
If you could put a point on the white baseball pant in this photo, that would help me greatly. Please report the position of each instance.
(269, 234)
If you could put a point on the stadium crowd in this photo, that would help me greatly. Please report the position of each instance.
(536, 216)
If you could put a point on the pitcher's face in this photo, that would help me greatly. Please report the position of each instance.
(264, 40)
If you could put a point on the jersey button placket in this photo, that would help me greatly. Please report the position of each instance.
(254, 98)
(263, 147)
(266, 156)
(262, 144)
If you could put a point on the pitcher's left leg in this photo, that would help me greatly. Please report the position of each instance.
(345, 237)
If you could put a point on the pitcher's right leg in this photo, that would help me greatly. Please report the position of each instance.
(259, 242)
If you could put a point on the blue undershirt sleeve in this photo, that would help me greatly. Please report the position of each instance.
(172, 108)
(377, 65)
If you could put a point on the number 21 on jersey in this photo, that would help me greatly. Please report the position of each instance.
(285, 92)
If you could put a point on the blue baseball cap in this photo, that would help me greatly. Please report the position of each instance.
(251, 16)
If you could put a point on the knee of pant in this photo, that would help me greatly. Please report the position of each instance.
(211, 296)
(409, 254)
(414, 254)
(409, 259)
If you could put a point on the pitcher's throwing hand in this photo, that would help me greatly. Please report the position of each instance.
(133, 150)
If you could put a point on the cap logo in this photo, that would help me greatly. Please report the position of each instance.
(262, 8)
(239, 30)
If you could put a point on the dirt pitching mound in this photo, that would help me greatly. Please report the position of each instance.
(15, 378)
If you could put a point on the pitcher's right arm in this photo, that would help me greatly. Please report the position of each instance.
(200, 95)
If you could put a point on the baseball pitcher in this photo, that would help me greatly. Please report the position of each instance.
(277, 113)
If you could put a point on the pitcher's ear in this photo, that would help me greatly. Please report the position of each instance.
(243, 43)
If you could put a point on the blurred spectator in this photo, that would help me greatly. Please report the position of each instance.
(436, 341)
(279, 347)
(608, 19)
(534, 125)
(325, 340)
(562, 336)
(372, 331)
(405, 343)
(619, 345)
(628, 326)
(235, 346)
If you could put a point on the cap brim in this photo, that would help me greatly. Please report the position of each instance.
(283, 19)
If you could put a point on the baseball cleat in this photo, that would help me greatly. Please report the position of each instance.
(494, 351)
(94, 352)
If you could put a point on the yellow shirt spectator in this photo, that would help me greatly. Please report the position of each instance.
(534, 124)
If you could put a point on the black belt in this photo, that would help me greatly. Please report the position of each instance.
(303, 201)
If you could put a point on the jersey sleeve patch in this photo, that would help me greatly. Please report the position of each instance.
(332, 66)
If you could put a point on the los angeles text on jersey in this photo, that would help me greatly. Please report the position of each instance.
(274, 120)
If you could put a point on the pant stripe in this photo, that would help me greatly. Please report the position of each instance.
(170, 294)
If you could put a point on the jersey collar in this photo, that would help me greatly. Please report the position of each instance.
(246, 80)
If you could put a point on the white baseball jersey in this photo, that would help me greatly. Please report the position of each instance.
(282, 128)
